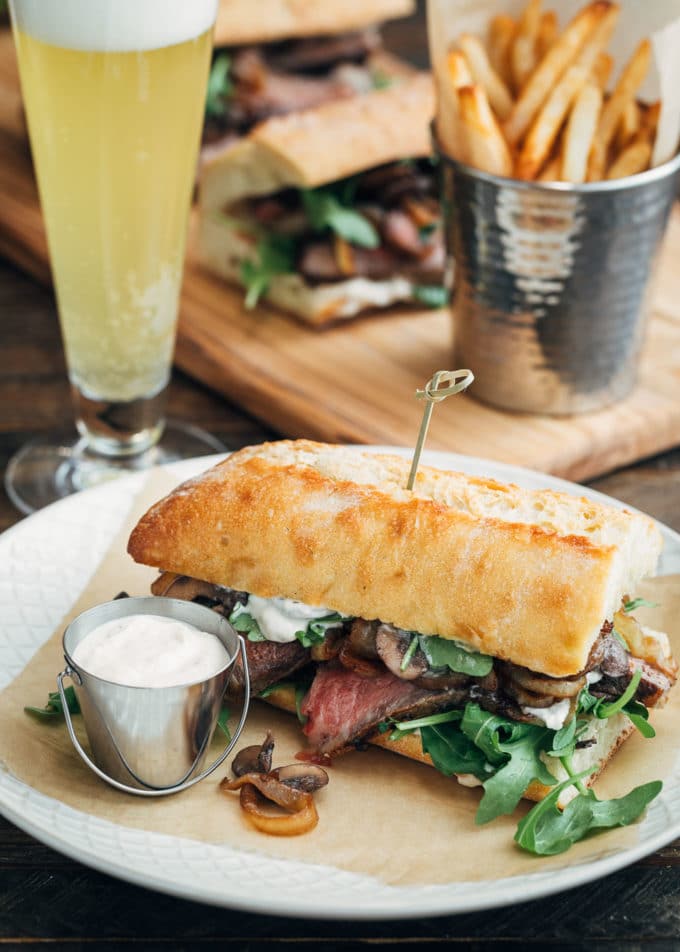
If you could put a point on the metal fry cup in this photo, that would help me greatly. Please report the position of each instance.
(551, 283)
(151, 741)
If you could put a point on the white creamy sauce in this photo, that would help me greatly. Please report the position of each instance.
(592, 677)
(553, 717)
(280, 618)
(114, 25)
(468, 780)
(150, 651)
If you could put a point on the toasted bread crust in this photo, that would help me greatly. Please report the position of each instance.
(242, 21)
(524, 576)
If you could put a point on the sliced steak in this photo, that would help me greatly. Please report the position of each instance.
(268, 662)
(342, 707)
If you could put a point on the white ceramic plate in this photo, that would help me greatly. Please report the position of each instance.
(45, 563)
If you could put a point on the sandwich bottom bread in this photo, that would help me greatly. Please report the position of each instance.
(475, 626)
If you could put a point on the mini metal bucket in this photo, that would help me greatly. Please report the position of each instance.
(551, 283)
(151, 741)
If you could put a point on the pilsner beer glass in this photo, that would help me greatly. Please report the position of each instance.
(114, 95)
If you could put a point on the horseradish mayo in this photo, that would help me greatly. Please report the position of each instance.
(280, 618)
(150, 651)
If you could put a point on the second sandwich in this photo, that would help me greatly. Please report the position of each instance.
(332, 211)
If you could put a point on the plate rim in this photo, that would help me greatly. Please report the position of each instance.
(439, 899)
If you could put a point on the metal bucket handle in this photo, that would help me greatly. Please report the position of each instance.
(69, 672)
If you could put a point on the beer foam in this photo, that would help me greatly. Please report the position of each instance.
(119, 26)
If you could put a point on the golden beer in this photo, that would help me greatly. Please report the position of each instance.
(114, 134)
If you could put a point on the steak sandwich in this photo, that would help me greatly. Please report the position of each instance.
(481, 627)
(331, 211)
(274, 57)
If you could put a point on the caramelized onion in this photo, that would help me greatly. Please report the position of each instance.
(256, 789)
(302, 820)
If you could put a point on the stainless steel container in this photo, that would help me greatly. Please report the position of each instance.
(151, 741)
(551, 283)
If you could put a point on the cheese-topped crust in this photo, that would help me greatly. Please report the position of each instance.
(525, 576)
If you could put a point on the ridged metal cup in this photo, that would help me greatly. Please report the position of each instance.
(151, 741)
(551, 283)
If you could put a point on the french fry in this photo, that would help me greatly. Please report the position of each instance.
(485, 75)
(628, 127)
(551, 170)
(458, 69)
(485, 147)
(523, 52)
(548, 29)
(579, 132)
(501, 36)
(602, 69)
(649, 121)
(629, 82)
(634, 158)
(561, 54)
(548, 122)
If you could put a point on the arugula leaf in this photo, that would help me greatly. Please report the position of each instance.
(625, 704)
(300, 688)
(639, 715)
(516, 750)
(222, 722)
(401, 728)
(324, 209)
(546, 830)
(431, 295)
(425, 232)
(300, 691)
(452, 752)
(445, 653)
(564, 741)
(316, 630)
(630, 606)
(220, 86)
(408, 654)
(275, 254)
(586, 702)
(53, 710)
(381, 79)
(242, 621)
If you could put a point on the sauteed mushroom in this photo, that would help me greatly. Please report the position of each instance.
(254, 759)
(303, 776)
(288, 787)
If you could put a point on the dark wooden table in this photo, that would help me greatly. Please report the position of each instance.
(47, 899)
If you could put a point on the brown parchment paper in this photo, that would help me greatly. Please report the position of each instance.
(657, 19)
(380, 815)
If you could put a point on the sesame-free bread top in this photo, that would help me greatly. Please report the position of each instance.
(321, 145)
(265, 21)
(526, 576)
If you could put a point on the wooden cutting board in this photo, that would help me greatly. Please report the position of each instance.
(356, 383)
